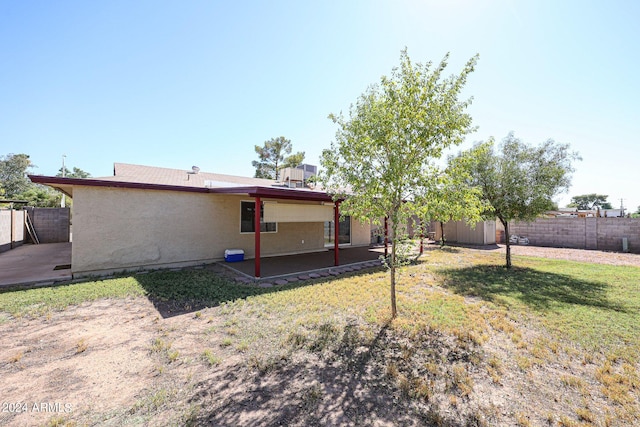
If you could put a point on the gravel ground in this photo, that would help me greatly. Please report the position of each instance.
(597, 257)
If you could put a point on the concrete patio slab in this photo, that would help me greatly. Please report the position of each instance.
(280, 266)
(32, 265)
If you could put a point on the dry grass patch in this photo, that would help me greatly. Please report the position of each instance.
(81, 346)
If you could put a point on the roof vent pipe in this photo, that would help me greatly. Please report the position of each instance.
(195, 169)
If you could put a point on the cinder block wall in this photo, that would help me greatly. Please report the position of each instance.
(581, 233)
(554, 232)
(51, 224)
(610, 232)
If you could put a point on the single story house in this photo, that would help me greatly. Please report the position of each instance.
(147, 217)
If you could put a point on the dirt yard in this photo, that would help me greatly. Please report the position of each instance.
(88, 359)
(580, 255)
(113, 362)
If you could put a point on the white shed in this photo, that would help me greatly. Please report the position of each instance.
(483, 233)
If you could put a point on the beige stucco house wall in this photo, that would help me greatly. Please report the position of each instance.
(118, 229)
(360, 233)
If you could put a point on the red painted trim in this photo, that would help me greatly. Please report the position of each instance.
(386, 236)
(336, 244)
(257, 234)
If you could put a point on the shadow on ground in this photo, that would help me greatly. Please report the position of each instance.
(174, 293)
(286, 392)
(348, 385)
(539, 290)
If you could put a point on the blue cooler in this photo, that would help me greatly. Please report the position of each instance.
(234, 255)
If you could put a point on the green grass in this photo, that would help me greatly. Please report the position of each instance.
(32, 302)
(210, 357)
(594, 305)
(188, 287)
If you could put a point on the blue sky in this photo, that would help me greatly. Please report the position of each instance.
(183, 83)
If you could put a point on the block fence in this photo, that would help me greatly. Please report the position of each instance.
(603, 234)
(52, 224)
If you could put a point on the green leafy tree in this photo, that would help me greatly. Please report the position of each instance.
(590, 201)
(519, 180)
(76, 173)
(41, 196)
(274, 155)
(13, 174)
(385, 152)
(451, 198)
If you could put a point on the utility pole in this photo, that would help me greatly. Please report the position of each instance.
(622, 208)
(63, 201)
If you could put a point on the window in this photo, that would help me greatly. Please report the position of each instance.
(247, 219)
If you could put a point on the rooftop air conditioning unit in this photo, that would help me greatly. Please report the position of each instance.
(291, 176)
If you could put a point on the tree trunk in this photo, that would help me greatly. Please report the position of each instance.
(394, 311)
(442, 234)
(507, 241)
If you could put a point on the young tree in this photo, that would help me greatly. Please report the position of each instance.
(519, 180)
(274, 155)
(384, 154)
(13, 174)
(589, 201)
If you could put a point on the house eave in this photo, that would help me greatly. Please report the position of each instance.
(66, 186)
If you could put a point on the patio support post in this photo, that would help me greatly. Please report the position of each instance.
(336, 221)
(386, 236)
(257, 235)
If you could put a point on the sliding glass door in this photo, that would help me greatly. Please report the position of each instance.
(344, 233)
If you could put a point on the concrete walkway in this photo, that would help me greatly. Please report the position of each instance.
(30, 265)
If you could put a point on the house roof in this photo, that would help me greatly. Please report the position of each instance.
(153, 178)
(125, 172)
